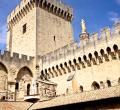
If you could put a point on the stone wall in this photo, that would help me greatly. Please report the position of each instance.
(47, 22)
(96, 61)
(23, 43)
(13, 69)
(53, 32)
(46, 90)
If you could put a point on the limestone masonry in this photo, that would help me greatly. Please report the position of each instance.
(43, 64)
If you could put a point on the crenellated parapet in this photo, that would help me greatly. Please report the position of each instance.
(79, 61)
(6, 55)
(52, 6)
(14, 62)
(101, 47)
(104, 36)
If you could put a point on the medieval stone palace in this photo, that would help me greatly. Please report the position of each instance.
(43, 68)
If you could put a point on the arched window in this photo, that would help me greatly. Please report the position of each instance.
(42, 75)
(46, 75)
(79, 59)
(74, 60)
(95, 85)
(85, 58)
(108, 50)
(108, 83)
(53, 68)
(102, 52)
(90, 56)
(70, 63)
(61, 65)
(96, 54)
(57, 67)
(115, 47)
(65, 64)
(52, 7)
(81, 89)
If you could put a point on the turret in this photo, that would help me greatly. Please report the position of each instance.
(84, 36)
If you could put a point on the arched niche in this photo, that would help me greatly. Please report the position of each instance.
(23, 72)
(95, 85)
(3, 77)
(24, 77)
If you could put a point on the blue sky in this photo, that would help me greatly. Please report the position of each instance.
(97, 14)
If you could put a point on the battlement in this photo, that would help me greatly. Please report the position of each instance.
(6, 55)
(104, 36)
(52, 6)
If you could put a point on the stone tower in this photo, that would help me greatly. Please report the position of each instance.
(37, 27)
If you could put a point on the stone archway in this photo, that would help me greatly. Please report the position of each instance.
(3, 77)
(24, 77)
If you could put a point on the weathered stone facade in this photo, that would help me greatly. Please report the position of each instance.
(97, 60)
(46, 22)
(42, 62)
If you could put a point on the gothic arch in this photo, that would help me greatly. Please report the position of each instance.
(81, 88)
(24, 77)
(102, 52)
(108, 49)
(3, 77)
(96, 54)
(85, 58)
(95, 85)
(79, 59)
(90, 56)
(115, 47)
(2, 66)
(108, 83)
(23, 71)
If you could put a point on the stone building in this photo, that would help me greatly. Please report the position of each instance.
(43, 64)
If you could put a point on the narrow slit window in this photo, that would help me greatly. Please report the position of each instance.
(54, 39)
(24, 28)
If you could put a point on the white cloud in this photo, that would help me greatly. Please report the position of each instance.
(114, 17)
(3, 31)
(118, 2)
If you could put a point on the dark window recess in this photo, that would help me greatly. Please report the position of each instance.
(24, 28)
(54, 39)
(17, 86)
